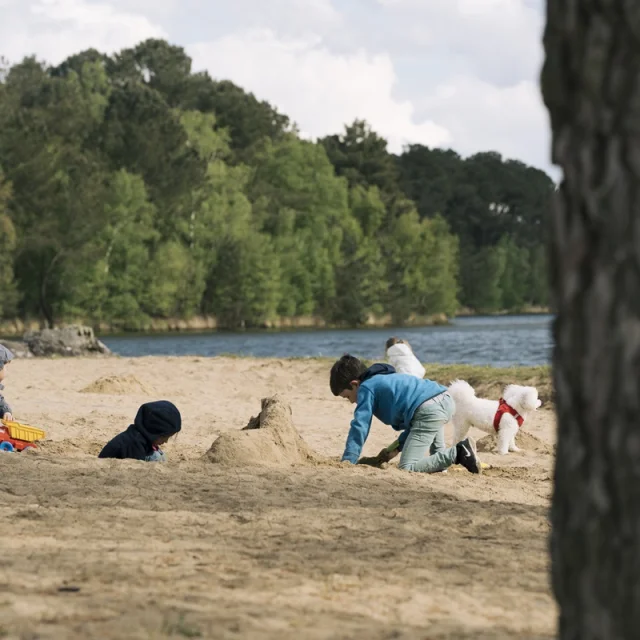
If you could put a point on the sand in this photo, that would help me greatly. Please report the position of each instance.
(228, 546)
(118, 386)
(524, 440)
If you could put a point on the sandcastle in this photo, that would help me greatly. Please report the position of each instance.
(270, 439)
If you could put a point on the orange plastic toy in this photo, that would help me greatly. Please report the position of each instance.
(15, 436)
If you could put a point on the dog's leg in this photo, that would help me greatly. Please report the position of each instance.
(460, 429)
(513, 446)
(506, 433)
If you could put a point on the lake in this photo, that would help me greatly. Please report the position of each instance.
(500, 341)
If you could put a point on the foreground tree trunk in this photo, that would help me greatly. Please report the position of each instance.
(591, 86)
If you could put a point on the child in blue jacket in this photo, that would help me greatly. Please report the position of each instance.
(417, 408)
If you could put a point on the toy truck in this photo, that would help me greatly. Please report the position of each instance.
(15, 436)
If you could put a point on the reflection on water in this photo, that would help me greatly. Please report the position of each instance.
(495, 340)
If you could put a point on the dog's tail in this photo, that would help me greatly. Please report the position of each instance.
(460, 389)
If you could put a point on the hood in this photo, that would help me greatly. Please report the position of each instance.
(5, 356)
(378, 369)
(157, 419)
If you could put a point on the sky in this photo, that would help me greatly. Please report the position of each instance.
(460, 74)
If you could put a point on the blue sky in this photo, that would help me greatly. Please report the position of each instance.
(453, 73)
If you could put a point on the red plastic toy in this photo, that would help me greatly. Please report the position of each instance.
(18, 437)
(18, 445)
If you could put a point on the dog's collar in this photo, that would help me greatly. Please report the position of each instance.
(503, 408)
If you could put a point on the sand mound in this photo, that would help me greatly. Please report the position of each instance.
(524, 440)
(118, 385)
(71, 448)
(270, 439)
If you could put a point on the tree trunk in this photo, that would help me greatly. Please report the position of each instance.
(45, 307)
(591, 86)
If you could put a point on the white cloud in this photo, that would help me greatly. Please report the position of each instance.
(482, 117)
(498, 40)
(55, 29)
(460, 73)
(287, 17)
(320, 90)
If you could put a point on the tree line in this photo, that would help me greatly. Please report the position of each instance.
(133, 188)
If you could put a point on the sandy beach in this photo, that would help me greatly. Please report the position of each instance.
(123, 549)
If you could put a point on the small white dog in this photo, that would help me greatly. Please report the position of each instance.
(504, 417)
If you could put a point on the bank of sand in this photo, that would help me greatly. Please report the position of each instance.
(111, 549)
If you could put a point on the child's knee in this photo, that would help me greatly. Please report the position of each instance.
(407, 466)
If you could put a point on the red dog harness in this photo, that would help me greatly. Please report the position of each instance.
(503, 408)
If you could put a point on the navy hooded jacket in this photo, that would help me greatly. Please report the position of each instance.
(392, 398)
(153, 420)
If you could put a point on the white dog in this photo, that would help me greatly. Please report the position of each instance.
(505, 416)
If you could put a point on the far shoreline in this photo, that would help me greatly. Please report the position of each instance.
(200, 325)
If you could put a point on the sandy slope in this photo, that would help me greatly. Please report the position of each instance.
(190, 549)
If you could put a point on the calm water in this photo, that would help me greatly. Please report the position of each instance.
(499, 341)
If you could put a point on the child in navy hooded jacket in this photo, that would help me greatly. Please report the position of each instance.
(417, 408)
(154, 424)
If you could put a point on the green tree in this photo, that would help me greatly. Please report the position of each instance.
(428, 177)
(9, 295)
(111, 278)
(245, 281)
(441, 268)
(176, 284)
(481, 276)
(133, 180)
(361, 156)
(516, 277)
(422, 268)
(539, 277)
(145, 137)
(368, 209)
(249, 121)
(219, 208)
(360, 277)
(157, 64)
(47, 124)
(300, 202)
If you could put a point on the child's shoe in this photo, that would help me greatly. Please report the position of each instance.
(467, 455)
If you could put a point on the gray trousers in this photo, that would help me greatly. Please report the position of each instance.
(427, 436)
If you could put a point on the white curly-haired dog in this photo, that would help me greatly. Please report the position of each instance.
(504, 417)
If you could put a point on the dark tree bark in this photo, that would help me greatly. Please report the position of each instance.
(591, 86)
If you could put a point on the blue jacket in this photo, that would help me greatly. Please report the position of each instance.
(392, 398)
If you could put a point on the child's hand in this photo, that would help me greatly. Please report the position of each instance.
(370, 461)
(7, 417)
(381, 459)
(385, 456)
